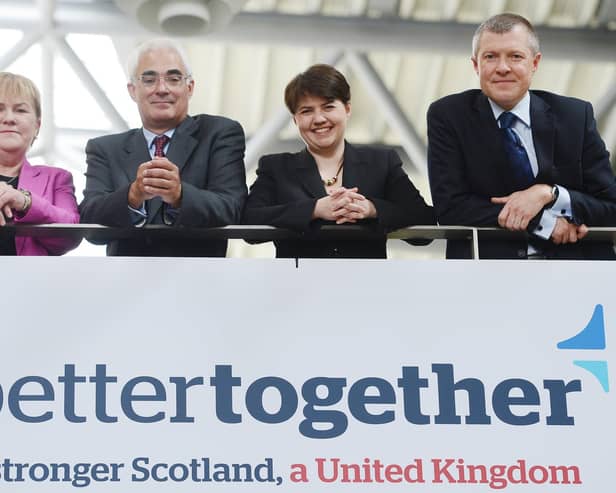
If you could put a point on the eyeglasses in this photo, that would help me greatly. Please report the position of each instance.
(171, 80)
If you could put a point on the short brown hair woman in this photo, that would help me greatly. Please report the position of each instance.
(331, 181)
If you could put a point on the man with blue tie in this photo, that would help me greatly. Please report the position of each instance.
(523, 160)
(177, 170)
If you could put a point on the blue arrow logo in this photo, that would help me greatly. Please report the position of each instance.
(591, 337)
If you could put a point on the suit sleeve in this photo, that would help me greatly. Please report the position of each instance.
(221, 201)
(402, 204)
(595, 203)
(102, 204)
(263, 205)
(452, 195)
(58, 205)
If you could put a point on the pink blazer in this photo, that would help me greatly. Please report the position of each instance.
(53, 201)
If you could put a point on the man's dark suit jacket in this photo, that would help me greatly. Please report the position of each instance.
(288, 186)
(209, 152)
(467, 165)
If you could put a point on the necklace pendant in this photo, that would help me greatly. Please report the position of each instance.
(331, 181)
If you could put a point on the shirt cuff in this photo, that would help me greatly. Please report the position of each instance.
(138, 216)
(562, 206)
(170, 215)
(546, 225)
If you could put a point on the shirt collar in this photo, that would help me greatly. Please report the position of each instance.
(150, 136)
(521, 110)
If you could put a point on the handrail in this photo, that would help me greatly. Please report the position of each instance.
(267, 233)
(246, 232)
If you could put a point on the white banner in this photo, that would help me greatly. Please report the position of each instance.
(253, 375)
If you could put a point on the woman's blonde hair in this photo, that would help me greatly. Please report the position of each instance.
(15, 85)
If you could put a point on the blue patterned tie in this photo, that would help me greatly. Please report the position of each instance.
(520, 164)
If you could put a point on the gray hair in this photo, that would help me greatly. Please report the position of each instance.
(503, 23)
(154, 44)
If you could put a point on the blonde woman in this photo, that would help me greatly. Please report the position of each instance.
(29, 194)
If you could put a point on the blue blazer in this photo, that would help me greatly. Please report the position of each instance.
(467, 165)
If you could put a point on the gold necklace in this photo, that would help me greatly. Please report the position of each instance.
(331, 181)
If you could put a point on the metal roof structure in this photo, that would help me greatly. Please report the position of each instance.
(398, 55)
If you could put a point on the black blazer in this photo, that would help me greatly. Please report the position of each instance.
(288, 186)
(467, 165)
(208, 150)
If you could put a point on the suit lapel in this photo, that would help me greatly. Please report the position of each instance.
(542, 123)
(30, 178)
(183, 142)
(308, 174)
(137, 152)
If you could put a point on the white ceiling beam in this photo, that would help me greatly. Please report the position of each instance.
(314, 5)
(609, 133)
(386, 102)
(394, 34)
(37, 150)
(607, 12)
(123, 46)
(586, 11)
(406, 8)
(379, 126)
(607, 102)
(260, 79)
(357, 7)
(564, 77)
(496, 7)
(91, 85)
(21, 47)
(346, 33)
(47, 134)
(450, 9)
(70, 159)
(382, 7)
(542, 11)
(264, 136)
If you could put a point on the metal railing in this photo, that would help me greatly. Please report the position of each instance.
(102, 234)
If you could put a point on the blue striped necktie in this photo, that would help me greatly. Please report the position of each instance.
(518, 158)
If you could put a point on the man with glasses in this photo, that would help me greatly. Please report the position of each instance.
(178, 170)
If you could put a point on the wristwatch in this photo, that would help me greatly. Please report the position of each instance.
(27, 201)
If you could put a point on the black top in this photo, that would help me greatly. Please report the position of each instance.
(7, 240)
(288, 186)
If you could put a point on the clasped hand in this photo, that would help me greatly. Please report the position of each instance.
(344, 205)
(156, 178)
(519, 208)
(10, 200)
